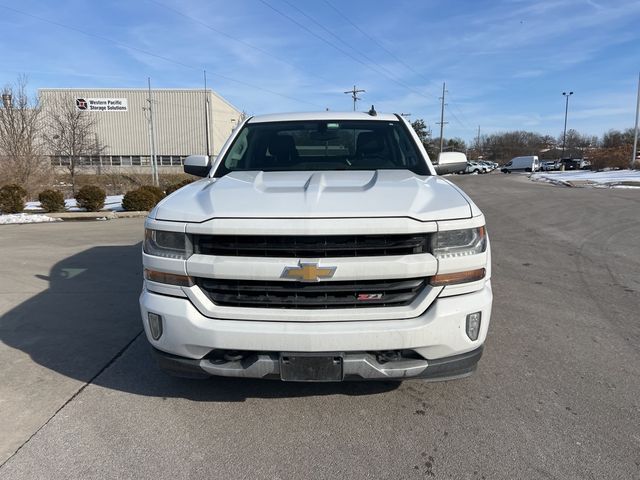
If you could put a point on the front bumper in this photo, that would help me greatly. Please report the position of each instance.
(437, 334)
(357, 366)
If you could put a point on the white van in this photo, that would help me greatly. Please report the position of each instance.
(451, 162)
(529, 163)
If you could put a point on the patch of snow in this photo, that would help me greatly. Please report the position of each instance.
(113, 203)
(585, 178)
(15, 218)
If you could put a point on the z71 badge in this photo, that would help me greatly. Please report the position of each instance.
(369, 296)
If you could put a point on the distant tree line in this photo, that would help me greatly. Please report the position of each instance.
(612, 150)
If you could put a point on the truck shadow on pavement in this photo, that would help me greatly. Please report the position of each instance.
(87, 326)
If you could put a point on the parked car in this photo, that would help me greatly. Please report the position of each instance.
(476, 167)
(529, 163)
(549, 165)
(489, 165)
(295, 262)
(571, 163)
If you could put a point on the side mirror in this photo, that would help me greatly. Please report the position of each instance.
(197, 165)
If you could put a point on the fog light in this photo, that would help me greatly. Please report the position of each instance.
(473, 325)
(155, 325)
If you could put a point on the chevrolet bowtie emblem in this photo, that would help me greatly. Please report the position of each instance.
(308, 272)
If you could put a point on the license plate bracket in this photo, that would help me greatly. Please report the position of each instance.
(305, 367)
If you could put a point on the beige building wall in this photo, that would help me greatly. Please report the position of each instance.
(179, 119)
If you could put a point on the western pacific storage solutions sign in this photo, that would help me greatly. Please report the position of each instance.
(102, 104)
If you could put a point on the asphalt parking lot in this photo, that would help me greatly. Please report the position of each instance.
(556, 395)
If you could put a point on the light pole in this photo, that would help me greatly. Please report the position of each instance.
(566, 111)
(635, 129)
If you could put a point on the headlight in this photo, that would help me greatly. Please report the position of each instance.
(165, 244)
(459, 243)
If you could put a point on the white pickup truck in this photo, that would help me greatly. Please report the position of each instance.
(317, 247)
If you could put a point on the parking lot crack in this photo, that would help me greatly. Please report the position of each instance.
(78, 392)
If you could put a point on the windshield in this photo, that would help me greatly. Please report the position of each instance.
(323, 145)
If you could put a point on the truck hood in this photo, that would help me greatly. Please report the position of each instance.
(327, 194)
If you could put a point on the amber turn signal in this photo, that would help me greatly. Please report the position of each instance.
(457, 277)
(168, 278)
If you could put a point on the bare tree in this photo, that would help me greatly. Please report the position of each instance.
(503, 146)
(70, 133)
(616, 138)
(577, 144)
(611, 157)
(21, 153)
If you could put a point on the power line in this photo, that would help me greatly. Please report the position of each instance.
(311, 32)
(456, 107)
(389, 52)
(236, 39)
(151, 54)
(346, 44)
(375, 67)
(373, 39)
(265, 52)
(460, 122)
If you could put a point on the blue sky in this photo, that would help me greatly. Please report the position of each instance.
(505, 62)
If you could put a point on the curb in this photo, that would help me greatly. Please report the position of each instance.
(94, 215)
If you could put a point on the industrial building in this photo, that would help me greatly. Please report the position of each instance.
(183, 122)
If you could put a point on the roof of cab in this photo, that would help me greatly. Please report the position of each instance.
(307, 116)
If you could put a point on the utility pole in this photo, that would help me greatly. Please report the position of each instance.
(354, 95)
(207, 138)
(442, 122)
(152, 139)
(478, 142)
(97, 153)
(566, 111)
(635, 136)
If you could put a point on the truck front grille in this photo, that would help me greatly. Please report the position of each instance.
(321, 295)
(311, 246)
